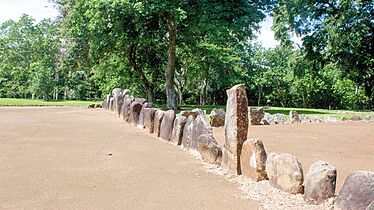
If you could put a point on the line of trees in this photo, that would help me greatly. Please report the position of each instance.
(191, 51)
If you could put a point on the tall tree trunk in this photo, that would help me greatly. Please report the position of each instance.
(171, 96)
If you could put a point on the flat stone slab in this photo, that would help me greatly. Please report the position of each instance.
(177, 134)
(167, 124)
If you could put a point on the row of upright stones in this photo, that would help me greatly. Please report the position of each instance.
(193, 132)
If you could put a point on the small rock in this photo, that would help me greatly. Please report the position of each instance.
(285, 172)
(320, 182)
(357, 192)
(217, 117)
(294, 116)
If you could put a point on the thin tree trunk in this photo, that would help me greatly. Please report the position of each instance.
(171, 96)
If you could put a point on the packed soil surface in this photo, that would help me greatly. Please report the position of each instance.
(76, 158)
(348, 146)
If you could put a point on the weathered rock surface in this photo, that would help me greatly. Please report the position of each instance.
(107, 102)
(157, 122)
(201, 126)
(217, 117)
(140, 100)
(104, 104)
(236, 127)
(126, 92)
(285, 172)
(253, 160)
(149, 119)
(268, 119)
(209, 149)
(177, 134)
(135, 109)
(111, 104)
(141, 123)
(280, 118)
(320, 182)
(187, 132)
(357, 192)
(331, 119)
(294, 116)
(194, 113)
(256, 115)
(167, 124)
(125, 110)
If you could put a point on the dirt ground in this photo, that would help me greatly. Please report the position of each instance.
(75, 158)
(348, 146)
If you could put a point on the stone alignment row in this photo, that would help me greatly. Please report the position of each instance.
(192, 131)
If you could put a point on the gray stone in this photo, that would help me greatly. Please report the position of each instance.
(187, 132)
(135, 109)
(209, 149)
(305, 118)
(125, 109)
(126, 92)
(268, 119)
(194, 113)
(280, 118)
(256, 115)
(357, 192)
(320, 182)
(217, 117)
(117, 100)
(371, 206)
(285, 172)
(177, 134)
(167, 124)
(294, 116)
(107, 102)
(104, 104)
(253, 160)
(111, 104)
(201, 126)
(331, 119)
(140, 100)
(236, 127)
(149, 119)
(141, 123)
(369, 118)
(157, 122)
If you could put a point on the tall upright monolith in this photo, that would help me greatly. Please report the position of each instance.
(236, 127)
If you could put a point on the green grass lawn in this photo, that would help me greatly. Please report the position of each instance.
(30, 102)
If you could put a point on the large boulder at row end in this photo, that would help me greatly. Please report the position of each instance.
(217, 117)
(294, 116)
(187, 132)
(285, 172)
(141, 123)
(253, 160)
(236, 127)
(357, 192)
(167, 124)
(256, 115)
(149, 117)
(159, 115)
(125, 110)
(135, 109)
(177, 134)
(201, 126)
(209, 149)
(320, 182)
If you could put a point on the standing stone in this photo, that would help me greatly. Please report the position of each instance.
(187, 132)
(320, 182)
(135, 109)
(294, 116)
(256, 115)
(140, 100)
(141, 123)
(125, 110)
(209, 149)
(285, 172)
(126, 92)
(107, 101)
(167, 124)
(268, 119)
(177, 134)
(111, 104)
(157, 122)
(149, 117)
(217, 117)
(253, 160)
(104, 104)
(201, 126)
(236, 127)
(117, 99)
(357, 192)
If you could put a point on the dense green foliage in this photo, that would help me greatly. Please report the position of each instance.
(193, 50)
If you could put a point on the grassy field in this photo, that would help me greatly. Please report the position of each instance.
(30, 102)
